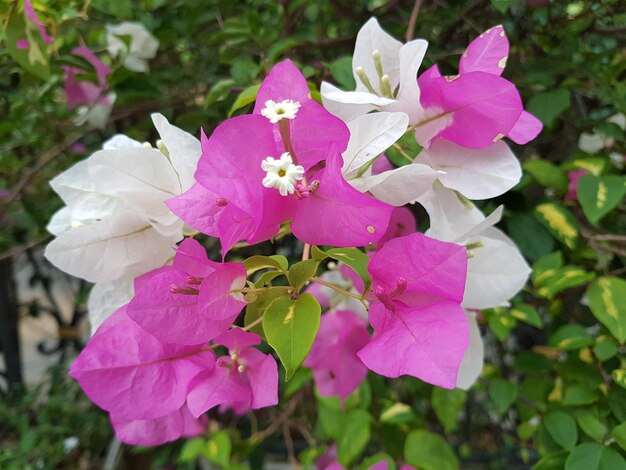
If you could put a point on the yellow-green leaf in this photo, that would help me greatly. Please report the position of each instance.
(607, 300)
(290, 327)
(598, 195)
(559, 221)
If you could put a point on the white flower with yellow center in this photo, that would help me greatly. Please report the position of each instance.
(276, 111)
(282, 174)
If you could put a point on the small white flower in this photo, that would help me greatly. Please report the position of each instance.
(286, 109)
(143, 45)
(282, 174)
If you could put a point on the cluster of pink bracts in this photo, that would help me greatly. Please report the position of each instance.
(172, 353)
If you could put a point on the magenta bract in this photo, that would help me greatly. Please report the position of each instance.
(230, 200)
(85, 92)
(477, 107)
(190, 302)
(419, 326)
(336, 368)
(134, 376)
(245, 379)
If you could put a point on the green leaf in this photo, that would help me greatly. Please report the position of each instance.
(619, 377)
(503, 393)
(354, 436)
(548, 106)
(290, 327)
(398, 413)
(554, 461)
(527, 314)
(592, 456)
(352, 257)
(500, 322)
(547, 174)
(619, 434)
(570, 337)
(607, 301)
(281, 46)
(218, 92)
(254, 310)
(604, 349)
(341, 70)
(192, 449)
(370, 461)
(599, 195)
(532, 238)
(562, 429)
(503, 5)
(447, 405)
(301, 272)
(265, 279)
(428, 451)
(218, 449)
(546, 263)
(526, 430)
(592, 426)
(256, 263)
(558, 280)
(309, 456)
(329, 415)
(244, 98)
(559, 221)
(118, 8)
(35, 58)
(579, 395)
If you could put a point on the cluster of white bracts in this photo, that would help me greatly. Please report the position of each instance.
(115, 225)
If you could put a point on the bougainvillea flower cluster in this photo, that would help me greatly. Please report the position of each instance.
(241, 177)
(371, 294)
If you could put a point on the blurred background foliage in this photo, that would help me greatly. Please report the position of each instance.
(552, 394)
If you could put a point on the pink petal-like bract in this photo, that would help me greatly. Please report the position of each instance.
(419, 326)
(472, 110)
(200, 208)
(428, 269)
(217, 301)
(336, 368)
(246, 379)
(190, 302)
(402, 223)
(572, 188)
(134, 376)
(425, 342)
(487, 53)
(157, 431)
(525, 129)
(191, 257)
(223, 385)
(337, 214)
(85, 92)
(32, 16)
(231, 202)
(284, 82)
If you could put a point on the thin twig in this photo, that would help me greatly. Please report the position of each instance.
(22, 248)
(410, 30)
(278, 422)
(291, 455)
(253, 324)
(45, 158)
